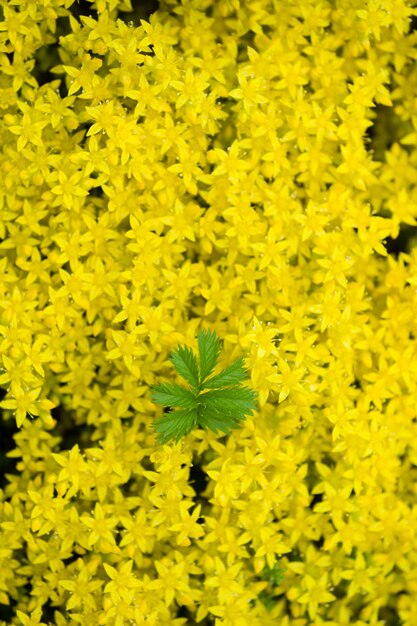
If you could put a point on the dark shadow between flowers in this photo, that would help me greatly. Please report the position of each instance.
(389, 616)
(47, 57)
(386, 129)
(69, 431)
(142, 10)
(198, 480)
(403, 242)
(7, 613)
(184, 612)
(8, 430)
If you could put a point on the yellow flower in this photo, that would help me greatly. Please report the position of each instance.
(361, 576)
(46, 507)
(221, 159)
(138, 533)
(271, 545)
(123, 582)
(67, 188)
(172, 580)
(101, 529)
(20, 240)
(249, 91)
(252, 469)
(82, 78)
(25, 401)
(230, 165)
(191, 89)
(73, 469)
(30, 128)
(181, 221)
(36, 268)
(33, 620)
(188, 526)
(226, 580)
(224, 489)
(83, 588)
(188, 168)
(316, 594)
(233, 544)
(18, 373)
(288, 380)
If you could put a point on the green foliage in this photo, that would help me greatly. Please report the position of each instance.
(274, 575)
(221, 408)
(268, 599)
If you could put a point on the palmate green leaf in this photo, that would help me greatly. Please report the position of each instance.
(209, 351)
(211, 423)
(171, 394)
(175, 425)
(209, 419)
(231, 375)
(239, 401)
(219, 409)
(185, 362)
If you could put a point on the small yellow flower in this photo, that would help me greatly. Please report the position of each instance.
(225, 580)
(67, 188)
(83, 588)
(123, 582)
(30, 128)
(26, 402)
(316, 594)
(288, 380)
(188, 527)
(101, 529)
(33, 620)
(172, 579)
(271, 545)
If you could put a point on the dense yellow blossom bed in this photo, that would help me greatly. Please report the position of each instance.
(247, 166)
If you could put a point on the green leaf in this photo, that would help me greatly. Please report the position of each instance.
(268, 599)
(209, 351)
(217, 409)
(274, 575)
(230, 401)
(210, 421)
(231, 375)
(185, 362)
(175, 425)
(171, 394)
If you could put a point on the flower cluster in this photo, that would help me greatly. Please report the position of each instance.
(242, 166)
